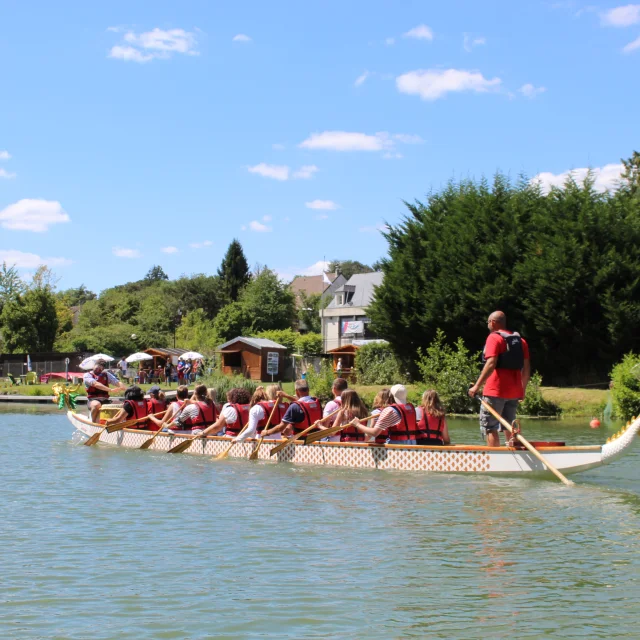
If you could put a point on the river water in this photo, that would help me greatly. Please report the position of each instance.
(105, 543)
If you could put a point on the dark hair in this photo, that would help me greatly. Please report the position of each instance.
(340, 384)
(134, 392)
(238, 396)
(182, 392)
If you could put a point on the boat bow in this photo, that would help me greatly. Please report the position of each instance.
(617, 444)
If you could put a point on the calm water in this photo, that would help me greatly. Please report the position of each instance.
(104, 543)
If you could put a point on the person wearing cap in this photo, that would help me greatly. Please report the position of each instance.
(397, 423)
(97, 382)
(157, 401)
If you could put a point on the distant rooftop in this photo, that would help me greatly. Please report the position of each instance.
(311, 284)
(259, 343)
(362, 285)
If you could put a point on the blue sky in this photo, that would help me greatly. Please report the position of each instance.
(141, 133)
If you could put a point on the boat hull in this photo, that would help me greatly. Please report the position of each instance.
(452, 459)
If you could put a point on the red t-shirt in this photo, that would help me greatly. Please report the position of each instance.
(503, 383)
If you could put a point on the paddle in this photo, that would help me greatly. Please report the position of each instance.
(225, 453)
(325, 433)
(254, 453)
(122, 425)
(282, 445)
(149, 441)
(185, 444)
(526, 443)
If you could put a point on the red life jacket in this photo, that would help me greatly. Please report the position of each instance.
(139, 409)
(312, 410)
(278, 414)
(430, 430)
(406, 429)
(156, 406)
(205, 418)
(351, 434)
(234, 428)
(102, 378)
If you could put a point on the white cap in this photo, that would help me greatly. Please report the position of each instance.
(399, 392)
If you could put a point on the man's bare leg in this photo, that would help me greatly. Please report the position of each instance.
(493, 438)
(94, 407)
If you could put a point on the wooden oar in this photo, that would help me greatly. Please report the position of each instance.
(526, 443)
(112, 428)
(122, 425)
(325, 433)
(225, 453)
(149, 441)
(254, 453)
(282, 445)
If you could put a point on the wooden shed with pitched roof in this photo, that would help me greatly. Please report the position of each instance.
(254, 358)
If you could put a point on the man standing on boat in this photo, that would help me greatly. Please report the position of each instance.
(97, 383)
(505, 376)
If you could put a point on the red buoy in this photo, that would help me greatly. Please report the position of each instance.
(595, 423)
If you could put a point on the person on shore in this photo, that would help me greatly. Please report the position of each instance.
(134, 407)
(432, 425)
(262, 404)
(195, 367)
(168, 371)
(234, 414)
(397, 423)
(505, 376)
(186, 372)
(182, 395)
(97, 383)
(351, 407)
(180, 371)
(198, 414)
(302, 412)
(123, 365)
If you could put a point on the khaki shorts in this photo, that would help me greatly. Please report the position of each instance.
(506, 407)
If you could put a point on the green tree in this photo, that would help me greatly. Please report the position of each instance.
(309, 310)
(377, 364)
(76, 297)
(234, 271)
(197, 333)
(268, 302)
(156, 274)
(232, 321)
(11, 284)
(29, 322)
(309, 344)
(348, 267)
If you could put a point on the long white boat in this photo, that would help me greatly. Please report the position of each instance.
(449, 459)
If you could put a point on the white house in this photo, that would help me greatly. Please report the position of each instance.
(345, 318)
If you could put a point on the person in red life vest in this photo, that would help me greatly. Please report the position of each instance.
(302, 412)
(234, 414)
(262, 404)
(97, 383)
(397, 423)
(182, 395)
(156, 404)
(433, 423)
(338, 387)
(505, 376)
(197, 414)
(382, 400)
(134, 407)
(351, 406)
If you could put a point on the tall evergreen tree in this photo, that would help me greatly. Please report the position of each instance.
(234, 271)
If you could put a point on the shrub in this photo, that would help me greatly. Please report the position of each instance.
(320, 384)
(450, 371)
(534, 404)
(377, 364)
(285, 337)
(222, 384)
(309, 344)
(625, 377)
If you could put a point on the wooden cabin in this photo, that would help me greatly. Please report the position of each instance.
(254, 358)
(345, 357)
(160, 357)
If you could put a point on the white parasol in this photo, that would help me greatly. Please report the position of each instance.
(136, 357)
(192, 355)
(90, 362)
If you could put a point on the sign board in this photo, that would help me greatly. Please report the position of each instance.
(273, 361)
(352, 327)
(174, 361)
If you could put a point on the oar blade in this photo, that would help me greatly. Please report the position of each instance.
(149, 441)
(181, 446)
(93, 439)
(225, 453)
(112, 428)
(254, 453)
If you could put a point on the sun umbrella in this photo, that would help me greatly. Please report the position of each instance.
(192, 355)
(136, 357)
(89, 363)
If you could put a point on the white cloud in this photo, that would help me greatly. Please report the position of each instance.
(606, 178)
(241, 37)
(469, 42)
(201, 245)
(390, 41)
(121, 252)
(24, 260)
(305, 172)
(32, 215)
(632, 46)
(266, 218)
(529, 91)
(328, 205)
(8, 175)
(169, 250)
(432, 84)
(5, 155)
(274, 171)
(155, 44)
(254, 225)
(421, 32)
(343, 141)
(277, 147)
(623, 16)
(360, 80)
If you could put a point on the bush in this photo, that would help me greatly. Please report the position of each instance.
(450, 371)
(377, 364)
(320, 384)
(222, 384)
(534, 404)
(309, 344)
(285, 337)
(625, 377)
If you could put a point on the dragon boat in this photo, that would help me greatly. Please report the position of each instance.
(458, 458)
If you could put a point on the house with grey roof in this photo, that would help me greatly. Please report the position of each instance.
(345, 317)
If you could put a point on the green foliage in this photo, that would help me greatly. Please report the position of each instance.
(11, 284)
(155, 274)
(268, 302)
(309, 344)
(197, 333)
(626, 386)
(222, 384)
(286, 337)
(377, 364)
(309, 311)
(450, 371)
(234, 271)
(320, 384)
(76, 297)
(232, 321)
(534, 404)
(114, 339)
(564, 266)
(348, 267)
